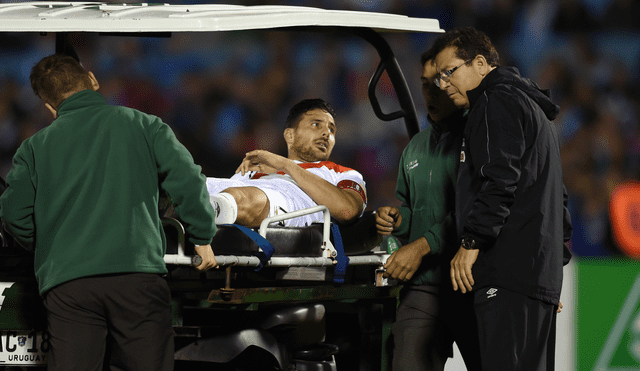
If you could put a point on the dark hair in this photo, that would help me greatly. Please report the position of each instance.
(469, 43)
(58, 76)
(304, 106)
(430, 54)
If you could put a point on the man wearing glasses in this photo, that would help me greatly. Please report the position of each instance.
(511, 213)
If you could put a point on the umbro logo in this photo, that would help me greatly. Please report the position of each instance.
(492, 292)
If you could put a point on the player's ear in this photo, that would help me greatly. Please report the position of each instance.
(289, 134)
(94, 82)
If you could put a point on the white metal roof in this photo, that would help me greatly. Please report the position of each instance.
(102, 17)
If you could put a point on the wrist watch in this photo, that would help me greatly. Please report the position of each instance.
(468, 243)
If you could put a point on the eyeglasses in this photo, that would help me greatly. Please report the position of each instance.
(446, 75)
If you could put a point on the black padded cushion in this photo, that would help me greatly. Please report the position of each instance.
(358, 238)
(286, 241)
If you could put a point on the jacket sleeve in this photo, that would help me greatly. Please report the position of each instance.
(497, 148)
(404, 196)
(438, 233)
(185, 184)
(17, 202)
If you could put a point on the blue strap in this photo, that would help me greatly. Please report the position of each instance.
(267, 248)
(340, 269)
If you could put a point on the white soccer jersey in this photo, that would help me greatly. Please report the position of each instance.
(284, 193)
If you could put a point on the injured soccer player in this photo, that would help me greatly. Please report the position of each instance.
(266, 184)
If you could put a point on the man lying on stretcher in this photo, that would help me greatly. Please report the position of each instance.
(266, 184)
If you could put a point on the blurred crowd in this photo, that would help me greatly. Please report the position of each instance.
(225, 94)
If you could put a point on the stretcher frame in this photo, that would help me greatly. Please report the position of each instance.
(328, 259)
(275, 261)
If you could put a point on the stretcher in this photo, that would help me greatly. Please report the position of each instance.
(313, 253)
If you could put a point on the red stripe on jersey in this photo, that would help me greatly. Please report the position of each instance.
(260, 175)
(330, 165)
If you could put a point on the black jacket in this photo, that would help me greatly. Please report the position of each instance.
(511, 197)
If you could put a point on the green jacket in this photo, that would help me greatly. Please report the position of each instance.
(425, 186)
(84, 192)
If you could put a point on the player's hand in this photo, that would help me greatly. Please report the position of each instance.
(405, 261)
(461, 264)
(262, 161)
(208, 259)
(388, 218)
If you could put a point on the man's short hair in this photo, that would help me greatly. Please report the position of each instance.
(469, 43)
(304, 106)
(430, 54)
(56, 77)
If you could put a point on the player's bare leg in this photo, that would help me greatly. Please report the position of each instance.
(252, 204)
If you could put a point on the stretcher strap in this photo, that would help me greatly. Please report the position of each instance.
(343, 260)
(266, 248)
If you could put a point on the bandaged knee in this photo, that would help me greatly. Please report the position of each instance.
(225, 207)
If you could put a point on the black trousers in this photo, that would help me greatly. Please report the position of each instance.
(111, 322)
(517, 333)
(428, 321)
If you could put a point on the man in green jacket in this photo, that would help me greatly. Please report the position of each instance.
(83, 192)
(430, 316)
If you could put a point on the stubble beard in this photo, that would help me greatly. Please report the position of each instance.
(309, 154)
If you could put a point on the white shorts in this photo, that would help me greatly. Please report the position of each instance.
(275, 189)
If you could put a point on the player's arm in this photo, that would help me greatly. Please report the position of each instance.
(344, 204)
